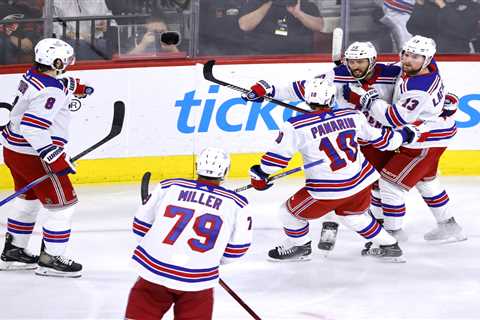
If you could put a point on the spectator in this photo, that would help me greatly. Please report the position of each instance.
(17, 39)
(79, 8)
(157, 38)
(397, 13)
(220, 33)
(179, 5)
(424, 18)
(280, 26)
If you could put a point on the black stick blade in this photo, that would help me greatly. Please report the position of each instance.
(118, 117)
(208, 70)
(144, 187)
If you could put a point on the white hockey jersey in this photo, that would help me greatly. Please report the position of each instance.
(40, 115)
(383, 80)
(186, 229)
(418, 99)
(334, 137)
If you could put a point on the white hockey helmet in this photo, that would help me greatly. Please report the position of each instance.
(362, 50)
(54, 53)
(422, 46)
(212, 163)
(319, 92)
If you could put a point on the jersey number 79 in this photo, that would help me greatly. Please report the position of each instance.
(206, 226)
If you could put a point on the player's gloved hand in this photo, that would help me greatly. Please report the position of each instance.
(5, 109)
(258, 178)
(57, 160)
(76, 88)
(410, 133)
(351, 96)
(450, 105)
(366, 96)
(258, 91)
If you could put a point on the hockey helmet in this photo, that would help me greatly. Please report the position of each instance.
(212, 163)
(319, 92)
(361, 50)
(422, 46)
(54, 53)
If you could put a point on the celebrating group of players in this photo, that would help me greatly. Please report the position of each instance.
(378, 129)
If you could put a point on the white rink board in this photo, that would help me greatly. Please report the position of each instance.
(174, 111)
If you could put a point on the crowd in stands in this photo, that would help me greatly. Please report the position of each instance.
(106, 29)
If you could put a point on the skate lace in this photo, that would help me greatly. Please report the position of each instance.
(283, 251)
(65, 260)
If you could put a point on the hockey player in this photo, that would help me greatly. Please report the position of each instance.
(33, 145)
(185, 230)
(419, 97)
(341, 184)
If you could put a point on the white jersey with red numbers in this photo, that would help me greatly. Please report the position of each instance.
(186, 229)
(40, 115)
(418, 99)
(333, 137)
(383, 80)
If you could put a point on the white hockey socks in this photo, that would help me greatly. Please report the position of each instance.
(369, 228)
(20, 224)
(56, 230)
(393, 204)
(297, 230)
(436, 199)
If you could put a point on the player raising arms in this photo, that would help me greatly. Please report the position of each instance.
(419, 97)
(186, 229)
(33, 146)
(341, 184)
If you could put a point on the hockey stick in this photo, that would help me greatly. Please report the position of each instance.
(239, 300)
(145, 196)
(208, 75)
(117, 124)
(337, 41)
(283, 174)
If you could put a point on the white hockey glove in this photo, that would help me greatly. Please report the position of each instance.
(410, 133)
(366, 96)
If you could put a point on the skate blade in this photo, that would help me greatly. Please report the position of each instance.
(16, 266)
(451, 239)
(49, 272)
(393, 259)
(299, 259)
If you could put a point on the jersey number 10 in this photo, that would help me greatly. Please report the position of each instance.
(206, 226)
(345, 142)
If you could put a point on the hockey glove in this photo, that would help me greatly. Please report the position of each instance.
(258, 178)
(258, 91)
(366, 96)
(76, 88)
(450, 105)
(57, 160)
(410, 133)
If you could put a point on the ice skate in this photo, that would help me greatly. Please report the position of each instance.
(445, 232)
(387, 253)
(291, 252)
(57, 266)
(328, 236)
(15, 258)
